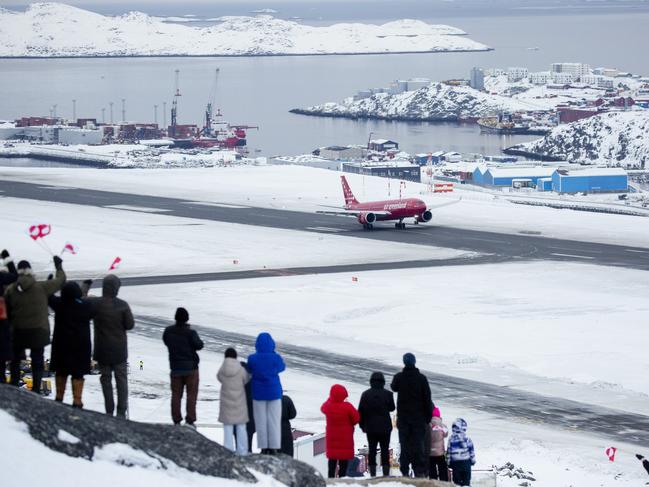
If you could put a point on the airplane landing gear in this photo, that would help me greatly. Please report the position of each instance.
(368, 226)
(400, 225)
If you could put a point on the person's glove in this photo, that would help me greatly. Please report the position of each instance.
(58, 263)
(4, 254)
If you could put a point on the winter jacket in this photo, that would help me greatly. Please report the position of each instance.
(265, 366)
(288, 413)
(6, 278)
(251, 417)
(341, 417)
(182, 343)
(233, 378)
(438, 431)
(414, 404)
(26, 302)
(113, 318)
(460, 446)
(71, 339)
(375, 407)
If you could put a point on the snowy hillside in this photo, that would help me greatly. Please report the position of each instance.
(436, 101)
(54, 29)
(612, 138)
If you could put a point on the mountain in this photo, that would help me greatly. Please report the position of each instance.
(435, 102)
(55, 30)
(612, 138)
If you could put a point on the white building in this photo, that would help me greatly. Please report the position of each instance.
(417, 83)
(477, 79)
(540, 78)
(560, 78)
(70, 135)
(577, 70)
(495, 72)
(516, 74)
(398, 86)
(606, 83)
(610, 72)
(590, 79)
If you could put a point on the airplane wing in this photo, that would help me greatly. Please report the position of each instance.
(349, 213)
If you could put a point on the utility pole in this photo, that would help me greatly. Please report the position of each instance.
(103, 115)
(54, 110)
(123, 109)
(74, 111)
(111, 112)
(164, 115)
(155, 114)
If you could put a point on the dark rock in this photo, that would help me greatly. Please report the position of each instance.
(181, 446)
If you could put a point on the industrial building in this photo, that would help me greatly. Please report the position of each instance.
(507, 177)
(595, 180)
(342, 152)
(394, 169)
(382, 145)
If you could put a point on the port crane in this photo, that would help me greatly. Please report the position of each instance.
(174, 106)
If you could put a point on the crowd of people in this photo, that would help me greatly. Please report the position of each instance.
(252, 399)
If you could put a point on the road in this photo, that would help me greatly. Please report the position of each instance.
(506, 402)
(499, 246)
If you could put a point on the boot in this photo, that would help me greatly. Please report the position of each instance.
(373, 470)
(77, 391)
(386, 470)
(60, 382)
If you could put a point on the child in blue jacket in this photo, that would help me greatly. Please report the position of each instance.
(460, 453)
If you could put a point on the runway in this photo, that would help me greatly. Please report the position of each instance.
(506, 402)
(498, 247)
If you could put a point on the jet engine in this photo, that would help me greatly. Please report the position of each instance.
(368, 218)
(425, 216)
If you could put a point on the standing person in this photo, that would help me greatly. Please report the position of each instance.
(112, 319)
(8, 275)
(233, 412)
(645, 462)
(250, 425)
(375, 407)
(183, 343)
(461, 454)
(288, 413)
(26, 302)
(341, 417)
(265, 365)
(436, 459)
(414, 412)
(70, 341)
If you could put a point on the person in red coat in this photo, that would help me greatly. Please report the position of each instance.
(341, 417)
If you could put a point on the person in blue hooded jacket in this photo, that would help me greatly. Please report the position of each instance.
(265, 366)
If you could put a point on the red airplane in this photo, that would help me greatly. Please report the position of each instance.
(373, 211)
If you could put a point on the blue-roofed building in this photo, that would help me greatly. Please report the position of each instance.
(544, 184)
(595, 180)
(495, 176)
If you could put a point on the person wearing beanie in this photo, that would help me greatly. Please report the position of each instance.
(233, 410)
(437, 432)
(8, 275)
(183, 343)
(27, 310)
(113, 318)
(375, 407)
(414, 412)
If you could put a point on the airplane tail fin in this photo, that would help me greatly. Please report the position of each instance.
(350, 199)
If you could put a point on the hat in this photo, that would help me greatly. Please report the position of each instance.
(409, 359)
(24, 267)
(230, 353)
(436, 412)
(182, 316)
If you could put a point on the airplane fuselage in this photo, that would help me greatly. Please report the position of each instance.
(391, 209)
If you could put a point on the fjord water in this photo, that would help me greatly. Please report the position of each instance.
(260, 91)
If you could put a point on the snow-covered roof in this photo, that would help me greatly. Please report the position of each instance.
(595, 171)
(521, 172)
(381, 141)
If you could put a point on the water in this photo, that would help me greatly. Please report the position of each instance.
(261, 91)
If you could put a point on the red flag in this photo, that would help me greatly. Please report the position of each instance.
(610, 453)
(115, 264)
(39, 231)
(69, 248)
(354, 279)
(235, 261)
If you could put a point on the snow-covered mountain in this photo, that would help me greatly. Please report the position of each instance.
(435, 102)
(55, 29)
(612, 138)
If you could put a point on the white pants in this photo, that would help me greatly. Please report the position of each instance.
(242, 438)
(268, 423)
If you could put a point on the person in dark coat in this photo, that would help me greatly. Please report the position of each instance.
(113, 318)
(341, 418)
(288, 413)
(8, 276)
(250, 426)
(26, 302)
(71, 341)
(183, 344)
(645, 462)
(375, 407)
(414, 412)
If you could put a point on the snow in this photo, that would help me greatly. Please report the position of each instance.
(67, 437)
(180, 245)
(609, 138)
(55, 29)
(308, 189)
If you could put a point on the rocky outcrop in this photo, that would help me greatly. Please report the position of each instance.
(88, 434)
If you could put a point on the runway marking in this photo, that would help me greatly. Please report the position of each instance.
(209, 203)
(55, 187)
(325, 229)
(638, 251)
(572, 255)
(142, 209)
